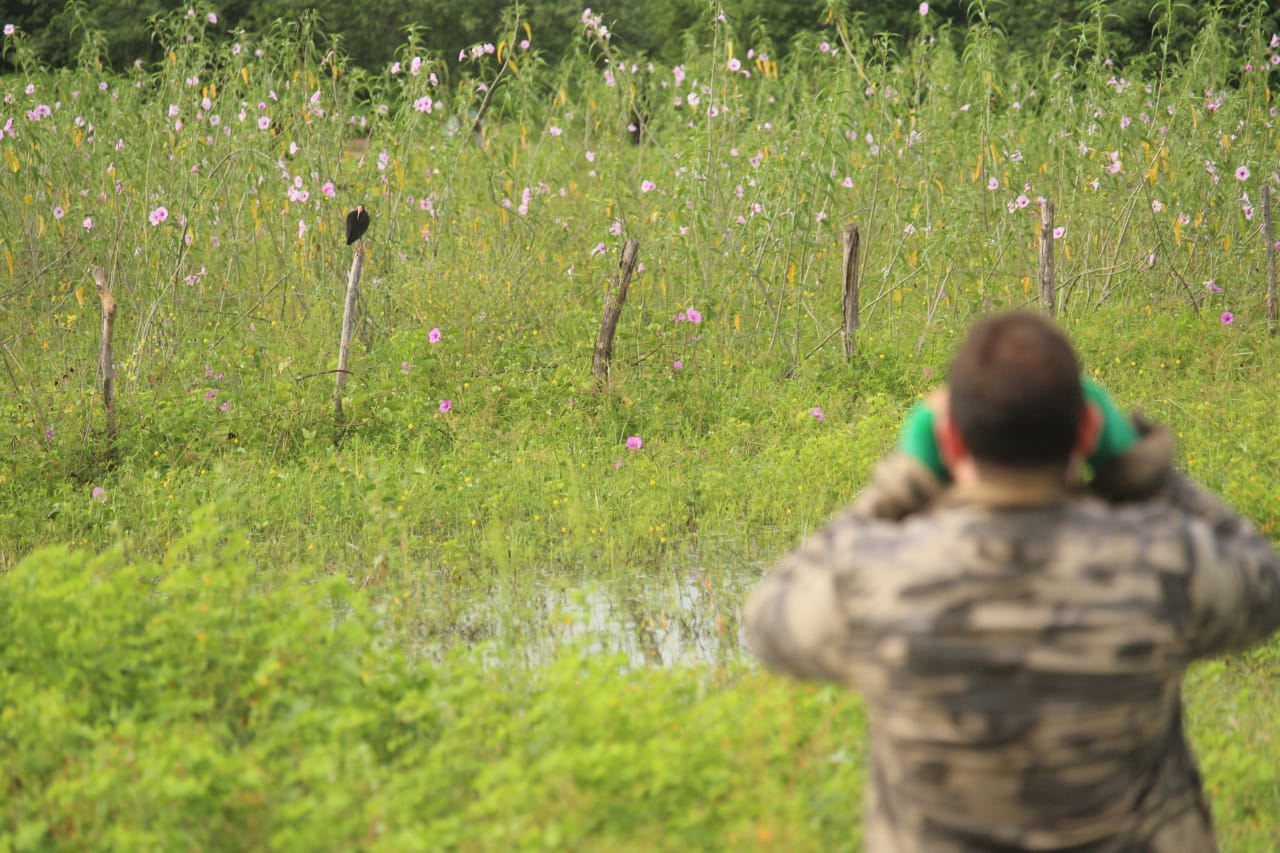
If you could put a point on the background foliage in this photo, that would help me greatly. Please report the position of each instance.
(655, 29)
(421, 624)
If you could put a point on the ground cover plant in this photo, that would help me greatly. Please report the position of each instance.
(243, 621)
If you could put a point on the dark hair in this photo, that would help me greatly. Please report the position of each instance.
(1015, 391)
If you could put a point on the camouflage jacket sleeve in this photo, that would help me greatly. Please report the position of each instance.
(1233, 594)
(795, 620)
(1234, 587)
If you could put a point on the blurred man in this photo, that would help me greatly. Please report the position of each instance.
(1021, 641)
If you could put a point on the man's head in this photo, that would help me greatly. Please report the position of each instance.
(1015, 395)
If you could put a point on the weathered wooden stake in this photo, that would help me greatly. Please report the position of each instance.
(1271, 259)
(613, 309)
(106, 359)
(348, 328)
(1046, 258)
(852, 242)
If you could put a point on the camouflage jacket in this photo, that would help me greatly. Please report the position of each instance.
(1021, 649)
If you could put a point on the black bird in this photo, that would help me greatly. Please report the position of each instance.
(357, 224)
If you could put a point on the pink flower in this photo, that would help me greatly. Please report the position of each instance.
(693, 315)
(924, 9)
(434, 336)
(1059, 231)
(1213, 286)
(1242, 173)
(677, 365)
(213, 19)
(98, 494)
(264, 122)
(58, 213)
(1227, 318)
(647, 186)
(635, 443)
(328, 189)
(993, 184)
(404, 367)
(160, 214)
(88, 223)
(816, 412)
(446, 405)
(1022, 201)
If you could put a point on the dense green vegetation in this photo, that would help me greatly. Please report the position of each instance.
(117, 33)
(244, 621)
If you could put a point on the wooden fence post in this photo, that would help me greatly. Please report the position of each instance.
(1271, 259)
(1046, 258)
(348, 328)
(106, 358)
(613, 309)
(852, 242)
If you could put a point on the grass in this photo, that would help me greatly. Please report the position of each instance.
(489, 577)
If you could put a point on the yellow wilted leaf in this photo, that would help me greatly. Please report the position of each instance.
(737, 322)
(1066, 250)
(913, 258)
(977, 167)
(897, 296)
(244, 74)
(1177, 231)
(791, 274)
(80, 296)
(40, 232)
(8, 256)
(502, 46)
(173, 58)
(1026, 284)
(213, 90)
(14, 165)
(528, 33)
(502, 213)
(1226, 243)
(515, 69)
(728, 46)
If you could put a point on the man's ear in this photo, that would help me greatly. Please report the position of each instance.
(1090, 430)
(951, 444)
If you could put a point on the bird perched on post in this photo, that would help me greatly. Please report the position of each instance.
(357, 224)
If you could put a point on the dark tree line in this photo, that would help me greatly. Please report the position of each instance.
(659, 29)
